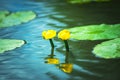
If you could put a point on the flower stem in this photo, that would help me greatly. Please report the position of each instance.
(67, 51)
(52, 49)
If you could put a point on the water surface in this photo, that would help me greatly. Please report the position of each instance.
(28, 61)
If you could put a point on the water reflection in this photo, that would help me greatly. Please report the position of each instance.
(66, 67)
(50, 59)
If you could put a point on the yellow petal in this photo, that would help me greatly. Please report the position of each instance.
(64, 34)
(48, 34)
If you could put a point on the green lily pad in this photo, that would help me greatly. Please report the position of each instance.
(108, 49)
(10, 19)
(95, 32)
(3, 14)
(9, 44)
(85, 1)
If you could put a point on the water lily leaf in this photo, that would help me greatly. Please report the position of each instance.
(86, 1)
(10, 19)
(3, 14)
(108, 49)
(95, 32)
(9, 44)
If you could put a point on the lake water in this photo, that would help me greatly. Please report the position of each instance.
(28, 61)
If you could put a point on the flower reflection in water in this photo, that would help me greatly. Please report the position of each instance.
(66, 67)
(51, 60)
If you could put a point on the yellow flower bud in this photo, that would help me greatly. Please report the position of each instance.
(67, 67)
(49, 34)
(64, 34)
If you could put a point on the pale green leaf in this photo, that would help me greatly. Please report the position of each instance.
(10, 19)
(108, 49)
(9, 44)
(95, 32)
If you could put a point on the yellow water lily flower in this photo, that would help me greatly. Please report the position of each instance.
(64, 34)
(67, 67)
(52, 61)
(48, 34)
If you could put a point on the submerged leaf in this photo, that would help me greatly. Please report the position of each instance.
(108, 49)
(10, 19)
(9, 44)
(95, 32)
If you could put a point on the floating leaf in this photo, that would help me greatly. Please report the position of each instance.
(86, 1)
(3, 14)
(95, 32)
(10, 19)
(108, 49)
(9, 44)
